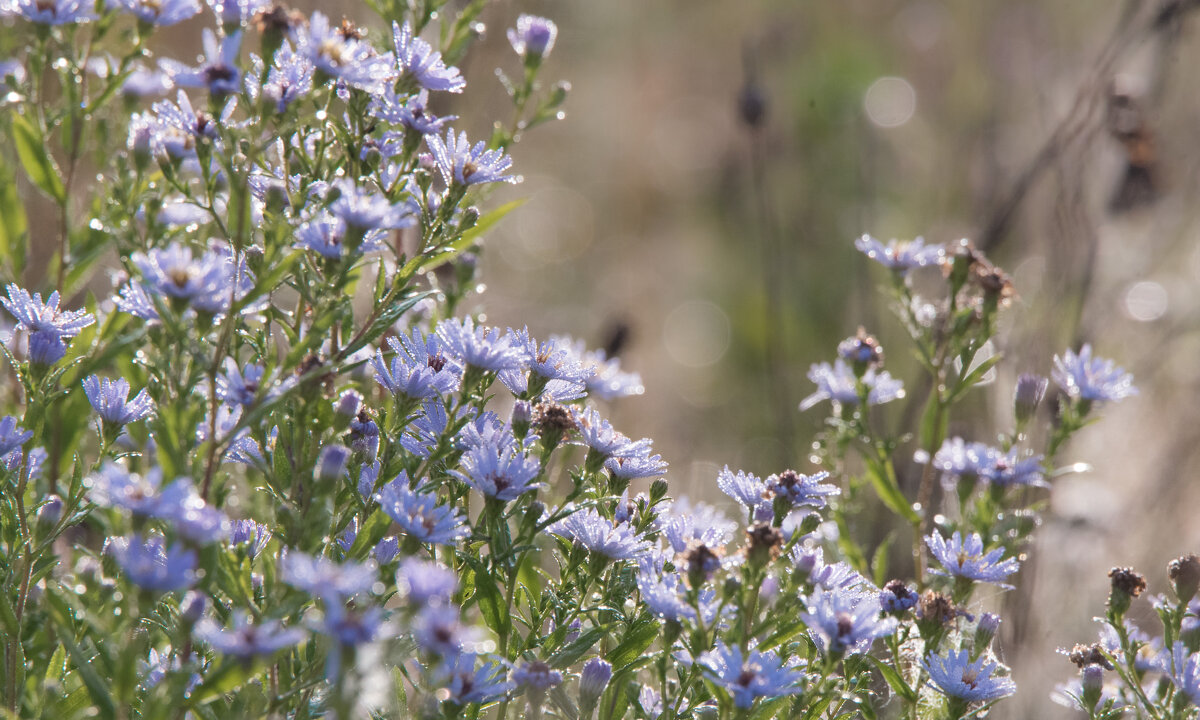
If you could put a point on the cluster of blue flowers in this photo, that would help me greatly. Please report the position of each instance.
(316, 506)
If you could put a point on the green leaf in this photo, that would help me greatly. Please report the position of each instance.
(369, 536)
(8, 617)
(570, 654)
(12, 221)
(486, 222)
(490, 601)
(901, 688)
(879, 561)
(31, 149)
(637, 638)
(97, 688)
(884, 481)
(228, 676)
(384, 321)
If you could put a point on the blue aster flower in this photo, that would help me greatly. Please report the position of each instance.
(346, 539)
(133, 299)
(343, 56)
(801, 490)
(417, 59)
(386, 550)
(499, 469)
(959, 459)
(465, 683)
(326, 234)
(440, 630)
(424, 432)
(1183, 668)
(254, 536)
(218, 73)
(838, 576)
(206, 283)
(110, 399)
(958, 678)
(150, 565)
(901, 256)
(1091, 378)
(245, 639)
(289, 78)
(749, 490)
(682, 522)
(44, 318)
(533, 37)
(598, 434)
(246, 385)
(666, 595)
(12, 435)
(324, 578)
(418, 370)
(636, 461)
(838, 383)
(351, 627)
(419, 514)
(158, 12)
(411, 111)
(365, 209)
(846, 622)
(425, 583)
(607, 380)
(747, 677)
(599, 535)
(546, 362)
(189, 516)
(965, 558)
(463, 164)
(50, 12)
(537, 676)
(482, 347)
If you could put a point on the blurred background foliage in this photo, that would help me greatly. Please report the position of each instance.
(696, 211)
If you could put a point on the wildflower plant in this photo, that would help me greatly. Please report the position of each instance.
(320, 506)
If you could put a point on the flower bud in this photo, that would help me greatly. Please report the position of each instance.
(50, 512)
(985, 630)
(192, 606)
(46, 348)
(533, 38)
(386, 550)
(658, 490)
(348, 404)
(522, 416)
(332, 463)
(1028, 395)
(1092, 681)
(592, 681)
(1185, 576)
